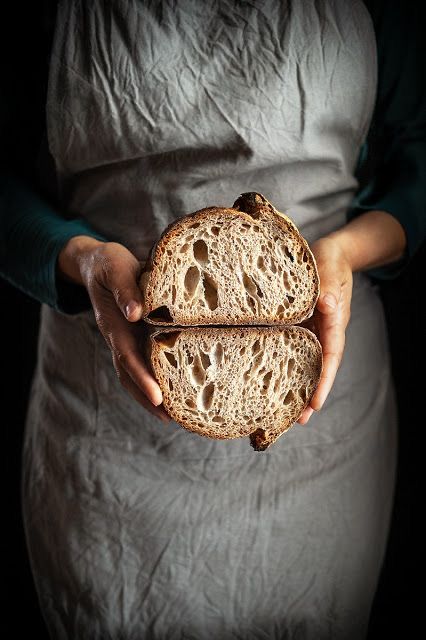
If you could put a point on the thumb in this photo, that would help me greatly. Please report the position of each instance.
(128, 298)
(329, 295)
(123, 284)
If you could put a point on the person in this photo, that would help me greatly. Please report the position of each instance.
(135, 527)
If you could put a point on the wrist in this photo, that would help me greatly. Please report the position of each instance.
(346, 245)
(371, 240)
(73, 255)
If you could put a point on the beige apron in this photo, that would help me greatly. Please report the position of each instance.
(140, 530)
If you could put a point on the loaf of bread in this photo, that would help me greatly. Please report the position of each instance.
(231, 382)
(247, 265)
(243, 266)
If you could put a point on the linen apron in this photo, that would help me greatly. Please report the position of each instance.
(141, 530)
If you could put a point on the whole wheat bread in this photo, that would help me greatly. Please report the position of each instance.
(246, 265)
(231, 382)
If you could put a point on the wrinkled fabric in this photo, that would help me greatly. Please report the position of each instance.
(137, 529)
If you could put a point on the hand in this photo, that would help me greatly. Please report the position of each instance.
(110, 274)
(331, 315)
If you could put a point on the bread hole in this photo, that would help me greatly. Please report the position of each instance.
(308, 267)
(290, 299)
(184, 248)
(192, 278)
(215, 231)
(255, 348)
(169, 252)
(190, 403)
(245, 226)
(305, 257)
(289, 397)
(286, 280)
(161, 314)
(167, 340)
(258, 289)
(266, 382)
(253, 290)
(173, 294)
(289, 254)
(261, 263)
(197, 372)
(201, 252)
(218, 419)
(272, 266)
(206, 399)
(195, 225)
(170, 384)
(257, 361)
(242, 351)
(251, 303)
(290, 366)
(217, 353)
(210, 292)
(256, 228)
(280, 310)
(170, 358)
(205, 360)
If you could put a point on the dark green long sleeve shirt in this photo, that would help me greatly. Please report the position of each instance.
(391, 168)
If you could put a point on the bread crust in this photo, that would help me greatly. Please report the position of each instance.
(248, 206)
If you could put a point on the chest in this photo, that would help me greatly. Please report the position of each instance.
(275, 79)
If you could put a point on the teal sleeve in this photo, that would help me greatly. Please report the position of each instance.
(32, 229)
(31, 237)
(392, 165)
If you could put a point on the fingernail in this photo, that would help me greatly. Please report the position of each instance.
(330, 300)
(156, 401)
(131, 308)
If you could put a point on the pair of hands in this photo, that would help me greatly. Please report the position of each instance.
(111, 273)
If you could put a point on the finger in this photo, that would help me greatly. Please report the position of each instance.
(122, 340)
(332, 336)
(305, 415)
(138, 395)
(331, 291)
(125, 354)
(120, 275)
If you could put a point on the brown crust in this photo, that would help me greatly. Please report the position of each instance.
(257, 206)
(260, 439)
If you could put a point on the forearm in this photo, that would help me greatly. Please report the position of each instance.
(373, 239)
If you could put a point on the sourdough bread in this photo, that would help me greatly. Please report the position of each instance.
(246, 265)
(233, 382)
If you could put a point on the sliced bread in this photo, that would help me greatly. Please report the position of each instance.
(232, 382)
(246, 265)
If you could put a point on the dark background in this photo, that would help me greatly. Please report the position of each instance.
(398, 606)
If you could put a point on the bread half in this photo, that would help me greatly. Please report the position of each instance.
(246, 265)
(234, 382)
